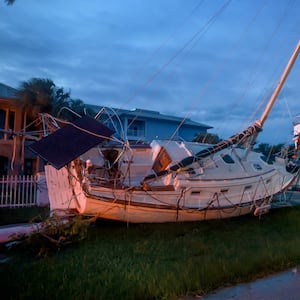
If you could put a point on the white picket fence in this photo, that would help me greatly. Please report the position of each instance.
(18, 191)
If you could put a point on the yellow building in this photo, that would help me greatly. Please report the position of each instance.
(14, 157)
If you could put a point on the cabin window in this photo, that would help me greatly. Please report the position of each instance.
(224, 191)
(228, 159)
(248, 187)
(162, 160)
(257, 167)
(191, 171)
(194, 193)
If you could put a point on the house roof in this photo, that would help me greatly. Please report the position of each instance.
(150, 114)
(7, 91)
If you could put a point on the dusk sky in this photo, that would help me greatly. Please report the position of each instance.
(213, 61)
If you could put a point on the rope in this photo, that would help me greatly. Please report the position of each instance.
(90, 132)
(13, 154)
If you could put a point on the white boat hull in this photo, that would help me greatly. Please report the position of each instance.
(141, 214)
(197, 202)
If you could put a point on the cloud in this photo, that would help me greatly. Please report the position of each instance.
(212, 61)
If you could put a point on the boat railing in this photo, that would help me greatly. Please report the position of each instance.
(103, 176)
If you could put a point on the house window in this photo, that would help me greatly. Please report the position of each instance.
(3, 165)
(2, 122)
(136, 128)
(7, 123)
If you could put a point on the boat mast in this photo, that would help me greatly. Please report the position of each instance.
(284, 75)
(250, 132)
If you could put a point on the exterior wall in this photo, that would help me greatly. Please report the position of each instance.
(11, 146)
(160, 129)
(15, 159)
(145, 125)
(157, 129)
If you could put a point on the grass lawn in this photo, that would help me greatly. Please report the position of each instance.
(158, 261)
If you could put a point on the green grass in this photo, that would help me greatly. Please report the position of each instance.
(158, 261)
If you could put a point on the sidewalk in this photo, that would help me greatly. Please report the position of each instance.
(281, 286)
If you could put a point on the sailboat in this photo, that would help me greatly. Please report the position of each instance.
(91, 173)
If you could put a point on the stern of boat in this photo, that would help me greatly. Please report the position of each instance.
(64, 191)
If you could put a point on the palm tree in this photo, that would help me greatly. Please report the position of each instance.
(42, 96)
(36, 96)
(60, 99)
(207, 137)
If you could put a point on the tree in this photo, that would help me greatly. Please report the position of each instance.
(73, 110)
(36, 96)
(60, 99)
(42, 96)
(79, 107)
(268, 150)
(208, 138)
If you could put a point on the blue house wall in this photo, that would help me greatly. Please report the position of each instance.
(146, 125)
(160, 129)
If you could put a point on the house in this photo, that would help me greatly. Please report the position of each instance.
(145, 125)
(14, 157)
(138, 125)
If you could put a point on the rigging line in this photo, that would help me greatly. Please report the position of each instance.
(289, 111)
(204, 29)
(218, 71)
(134, 118)
(178, 127)
(263, 53)
(260, 9)
(244, 32)
(192, 12)
(89, 132)
(212, 21)
(177, 53)
(14, 153)
(235, 46)
(283, 17)
(37, 121)
(95, 134)
(199, 34)
(140, 69)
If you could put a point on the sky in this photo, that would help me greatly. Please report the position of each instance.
(214, 61)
